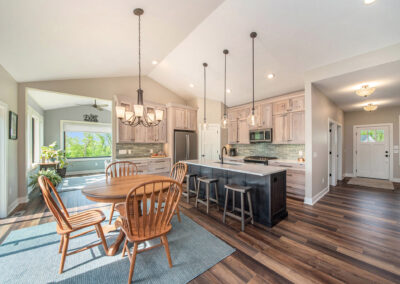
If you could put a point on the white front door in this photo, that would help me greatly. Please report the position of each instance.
(372, 152)
(210, 142)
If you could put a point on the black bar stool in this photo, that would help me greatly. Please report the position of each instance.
(243, 190)
(208, 182)
(190, 192)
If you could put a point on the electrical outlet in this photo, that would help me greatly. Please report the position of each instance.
(151, 151)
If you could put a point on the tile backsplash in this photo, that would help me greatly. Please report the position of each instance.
(282, 151)
(138, 150)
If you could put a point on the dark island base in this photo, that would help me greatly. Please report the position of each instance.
(268, 194)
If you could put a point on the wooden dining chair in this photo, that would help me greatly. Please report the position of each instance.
(67, 224)
(120, 169)
(178, 173)
(144, 220)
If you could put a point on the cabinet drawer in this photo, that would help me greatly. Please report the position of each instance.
(295, 178)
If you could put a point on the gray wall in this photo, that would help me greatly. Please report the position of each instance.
(8, 95)
(381, 115)
(52, 120)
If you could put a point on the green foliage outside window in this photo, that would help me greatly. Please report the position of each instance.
(87, 144)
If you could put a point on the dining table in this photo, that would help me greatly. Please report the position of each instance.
(115, 190)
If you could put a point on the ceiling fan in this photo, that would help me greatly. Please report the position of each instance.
(96, 106)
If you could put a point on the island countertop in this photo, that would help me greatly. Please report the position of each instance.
(245, 168)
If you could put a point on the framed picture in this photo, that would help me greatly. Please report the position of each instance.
(13, 126)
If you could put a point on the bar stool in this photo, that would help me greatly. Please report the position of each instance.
(243, 190)
(190, 192)
(208, 182)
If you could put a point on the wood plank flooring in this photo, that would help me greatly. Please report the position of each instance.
(352, 235)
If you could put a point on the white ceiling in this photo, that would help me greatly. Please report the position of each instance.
(63, 39)
(293, 37)
(45, 39)
(385, 78)
(51, 100)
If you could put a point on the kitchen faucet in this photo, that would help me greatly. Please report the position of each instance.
(221, 157)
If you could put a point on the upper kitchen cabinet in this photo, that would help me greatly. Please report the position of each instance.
(182, 117)
(295, 103)
(297, 127)
(281, 107)
(243, 132)
(265, 115)
(233, 131)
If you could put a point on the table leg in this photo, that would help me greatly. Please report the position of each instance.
(113, 249)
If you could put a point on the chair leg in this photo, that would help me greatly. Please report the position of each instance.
(216, 194)
(187, 189)
(250, 207)
(133, 259)
(61, 244)
(242, 209)
(111, 213)
(164, 240)
(208, 196)
(64, 253)
(177, 213)
(99, 230)
(197, 194)
(226, 204)
(124, 248)
(233, 201)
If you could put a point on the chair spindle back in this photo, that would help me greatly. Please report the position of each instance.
(179, 171)
(121, 169)
(153, 218)
(58, 210)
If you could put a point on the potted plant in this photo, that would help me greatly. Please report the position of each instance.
(62, 169)
(49, 153)
(50, 174)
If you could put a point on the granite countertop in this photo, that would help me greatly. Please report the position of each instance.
(251, 169)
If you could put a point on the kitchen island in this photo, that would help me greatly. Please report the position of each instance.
(268, 186)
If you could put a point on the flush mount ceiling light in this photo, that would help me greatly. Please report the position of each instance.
(139, 115)
(365, 91)
(367, 2)
(228, 91)
(370, 107)
(191, 85)
(224, 121)
(251, 119)
(154, 62)
(271, 76)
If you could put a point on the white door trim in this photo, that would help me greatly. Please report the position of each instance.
(3, 167)
(390, 125)
(338, 152)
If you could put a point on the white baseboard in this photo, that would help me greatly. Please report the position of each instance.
(349, 175)
(395, 180)
(17, 202)
(85, 172)
(317, 197)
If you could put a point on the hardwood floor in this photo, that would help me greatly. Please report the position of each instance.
(351, 235)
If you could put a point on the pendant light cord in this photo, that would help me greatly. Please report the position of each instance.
(205, 65)
(140, 68)
(225, 86)
(252, 110)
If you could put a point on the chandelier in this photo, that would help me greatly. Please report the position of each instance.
(370, 107)
(139, 115)
(365, 91)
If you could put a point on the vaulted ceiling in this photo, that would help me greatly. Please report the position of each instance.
(46, 39)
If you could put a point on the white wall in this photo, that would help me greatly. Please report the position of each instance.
(8, 95)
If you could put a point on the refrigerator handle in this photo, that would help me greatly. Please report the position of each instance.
(187, 147)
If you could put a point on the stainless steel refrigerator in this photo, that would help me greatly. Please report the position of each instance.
(185, 145)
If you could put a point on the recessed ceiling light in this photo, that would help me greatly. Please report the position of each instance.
(228, 91)
(367, 2)
(191, 85)
(370, 107)
(154, 62)
(271, 76)
(365, 91)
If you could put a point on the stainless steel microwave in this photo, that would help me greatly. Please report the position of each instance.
(261, 135)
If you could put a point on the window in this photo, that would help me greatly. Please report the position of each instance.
(372, 135)
(34, 136)
(87, 140)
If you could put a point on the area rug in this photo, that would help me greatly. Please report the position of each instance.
(75, 183)
(370, 182)
(30, 255)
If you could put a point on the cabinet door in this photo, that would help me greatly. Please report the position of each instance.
(232, 131)
(280, 107)
(297, 127)
(279, 129)
(180, 118)
(191, 119)
(297, 104)
(257, 112)
(152, 134)
(140, 134)
(162, 132)
(243, 132)
(266, 115)
(243, 113)
(125, 134)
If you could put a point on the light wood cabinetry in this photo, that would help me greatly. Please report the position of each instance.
(243, 132)
(184, 119)
(151, 165)
(297, 127)
(266, 115)
(281, 107)
(233, 131)
(297, 103)
(280, 129)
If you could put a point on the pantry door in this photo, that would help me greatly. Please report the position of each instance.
(373, 151)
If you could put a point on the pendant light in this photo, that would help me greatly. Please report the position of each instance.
(224, 121)
(252, 119)
(205, 93)
(139, 116)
